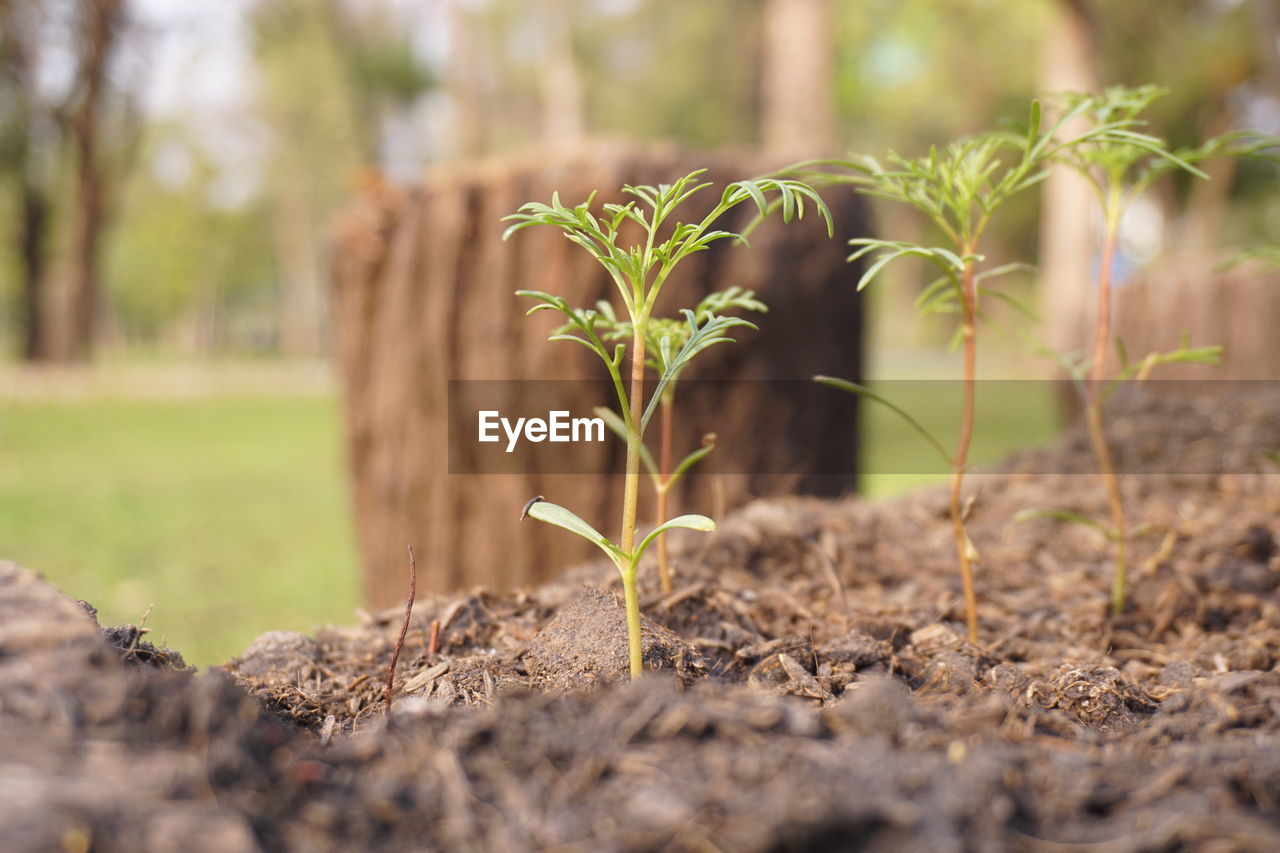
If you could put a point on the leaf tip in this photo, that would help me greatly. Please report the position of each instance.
(524, 513)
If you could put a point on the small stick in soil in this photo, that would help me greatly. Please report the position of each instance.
(434, 645)
(404, 629)
(138, 633)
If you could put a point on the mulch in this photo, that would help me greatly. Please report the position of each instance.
(809, 687)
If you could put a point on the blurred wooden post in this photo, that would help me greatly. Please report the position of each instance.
(798, 102)
(424, 294)
(1067, 245)
(1238, 310)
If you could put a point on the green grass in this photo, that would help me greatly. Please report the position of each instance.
(228, 514)
(1011, 415)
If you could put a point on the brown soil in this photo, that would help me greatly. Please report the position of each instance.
(810, 688)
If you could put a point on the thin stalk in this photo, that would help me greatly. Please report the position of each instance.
(963, 547)
(631, 601)
(631, 493)
(1093, 416)
(664, 488)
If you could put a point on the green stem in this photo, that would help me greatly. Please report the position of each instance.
(631, 492)
(664, 488)
(1119, 529)
(631, 600)
(1093, 414)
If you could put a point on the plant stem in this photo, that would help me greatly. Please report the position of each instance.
(963, 547)
(631, 601)
(631, 493)
(664, 484)
(1098, 438)
(1093, 415)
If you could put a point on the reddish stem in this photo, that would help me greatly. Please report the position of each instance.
(404, 628)
(963, 547)
(1097, 432)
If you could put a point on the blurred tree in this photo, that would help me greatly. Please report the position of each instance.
(331, 73)
(187, 274)
(663, 69)
(23, 121)
(1069, 63)
(798, 104)
(60, 145)
(318, 145)
(563, 120)
(382, 70)
(97, 36)
(1216, 59)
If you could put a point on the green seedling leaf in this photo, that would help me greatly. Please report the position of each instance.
(1067, 517)
(550, 513)
(639, 272)
(1272, 456)
(618, 427)
(1140, 371)
(708, 445)
(1012, 301)
(688, 522)
(863, 391)
(1122, 353)
(713, 331)
(941, 290)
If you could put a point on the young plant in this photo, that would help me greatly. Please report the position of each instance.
(959, 189)
(666, 336)
(639, 271)
(1119, 166)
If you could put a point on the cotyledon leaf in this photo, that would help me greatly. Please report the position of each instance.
(689, 522)
(550, 513)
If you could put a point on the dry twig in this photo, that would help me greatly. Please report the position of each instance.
(404, 629)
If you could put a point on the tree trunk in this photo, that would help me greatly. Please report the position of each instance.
(563, 121)
(797, 75)
(424, 294)
(301, 321)
(468, 132)
(31, 239)
(33, 205)
(1067, 244)
(72, 329)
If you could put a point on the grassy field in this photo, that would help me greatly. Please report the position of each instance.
(1011, 415)
(228, 512)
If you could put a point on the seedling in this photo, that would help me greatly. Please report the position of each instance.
(1119, 166)
(958, 189)
(667, 335)
(639, 271)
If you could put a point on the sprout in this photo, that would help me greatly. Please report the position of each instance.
(639, 272)
(1119, 165)
(959, 189)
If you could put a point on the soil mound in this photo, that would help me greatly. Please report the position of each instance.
(811, 689)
